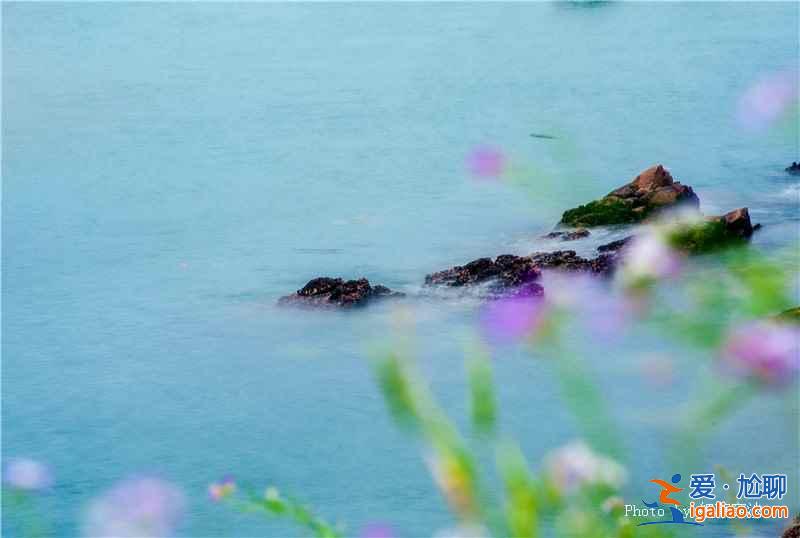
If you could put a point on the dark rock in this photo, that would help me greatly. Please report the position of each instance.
(731, 229)
(649, 193)
(580, 233)
(793, 531)
(508, 270)
(614, 246)
(793, 168)
(568, 260)
(335, 292)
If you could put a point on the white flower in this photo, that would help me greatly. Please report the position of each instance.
(576, 465)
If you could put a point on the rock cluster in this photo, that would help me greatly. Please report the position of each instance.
(793, 168)
(326, 291)
(580, 233)
(506, 271)
(650, 192)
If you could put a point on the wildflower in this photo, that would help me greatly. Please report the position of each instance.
(575, 465)
(649, 258)
(454, 477)
(137, 507)
(603, 313)
(767, 352)
(219, 490)
(511, 319)
(27, 474)
(485, 162)
(768, 100)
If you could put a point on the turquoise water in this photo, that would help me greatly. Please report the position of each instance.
(170, 170)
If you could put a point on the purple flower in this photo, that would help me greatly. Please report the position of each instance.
(511, 319)
(27, 474)
(136, 507)
(768, 352)
(603, 313)
(767, 100)
(485, 162)
(377, 530)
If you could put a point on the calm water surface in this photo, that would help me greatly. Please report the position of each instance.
(170, 170)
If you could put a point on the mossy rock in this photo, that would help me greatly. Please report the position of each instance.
(790, 316)
(704, 237)
(606, 211)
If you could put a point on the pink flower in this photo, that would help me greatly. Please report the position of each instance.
(768, 352)
(27, 474)
(511, 319)
(767, 100)
(137, 507)
(219, 490)
(485, 162)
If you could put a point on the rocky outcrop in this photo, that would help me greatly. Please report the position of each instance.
(615, 246)
(336, 292)
(580, 233)
(713, 233)
(649, 193)
(793, 531)
(518, 274)
(794, 168)
(507, 271)
(568, 260)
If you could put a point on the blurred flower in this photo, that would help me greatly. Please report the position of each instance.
(377, 530)
(219, 490)
(27, 474)
(136, 507)
(454, 478)
(575, 465)
(768, 352)
(602, 312)
(485, 162)
(768, 99)
(649, 258)
(272, 494)
(511, 319)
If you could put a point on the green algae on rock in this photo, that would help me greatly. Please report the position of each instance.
(731, 229)
(650, 192)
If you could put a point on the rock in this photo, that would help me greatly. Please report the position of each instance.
(335, 292)
(568, 260)
(508, 270)
(730, 229)
(793, 531)
(790, 316)
(580, 233)
(793, 168)
(650, 192)
(614, 246)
